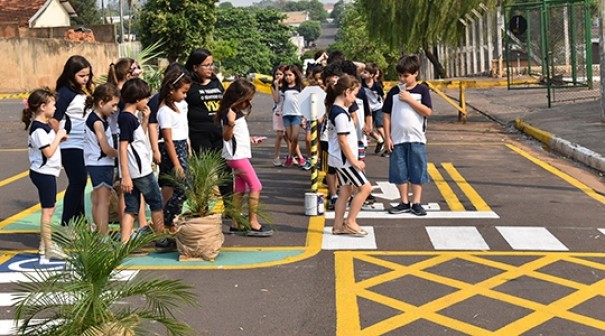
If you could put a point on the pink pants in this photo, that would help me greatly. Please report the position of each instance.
(244, 176)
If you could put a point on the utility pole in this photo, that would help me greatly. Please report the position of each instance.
(602, 54)
(121, 39)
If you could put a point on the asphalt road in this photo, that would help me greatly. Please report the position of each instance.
(512, 245)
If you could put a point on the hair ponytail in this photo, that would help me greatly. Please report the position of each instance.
(26, 116)
(35, 100)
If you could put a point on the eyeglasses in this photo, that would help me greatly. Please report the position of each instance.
(209, 65)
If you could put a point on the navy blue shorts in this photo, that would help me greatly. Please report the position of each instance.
(101, 176)
(47, 188)
(408, 164)
(377, 118)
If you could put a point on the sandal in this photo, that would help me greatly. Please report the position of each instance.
(346, 229)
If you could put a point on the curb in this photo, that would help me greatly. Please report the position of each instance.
(562, 146)
(22, 95)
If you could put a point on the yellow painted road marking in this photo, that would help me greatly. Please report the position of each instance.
(347, 291)
(450, 197)
(466, 188)
(565, 177)
(13, 178)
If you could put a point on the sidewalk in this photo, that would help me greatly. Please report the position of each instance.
(573, 129)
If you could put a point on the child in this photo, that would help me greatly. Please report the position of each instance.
(117, 75)
(172, 118)
(234, 108)
(330, 76)
(278, 123)
(73, 85)
(344, 155)
(45, 163)
(405, 109)
(99, 153)
(375, 95)
(290, 111)
(135, 162)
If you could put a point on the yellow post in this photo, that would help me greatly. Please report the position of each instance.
(462, 111)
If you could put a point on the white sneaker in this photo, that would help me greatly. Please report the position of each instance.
(55, 252)
(277, 162)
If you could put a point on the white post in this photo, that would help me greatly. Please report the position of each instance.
(499, 30)
(474, 42)
(490, 43)
(602, 55)
(467, 46)
(481, 44)
(566, 39)
(121, 39)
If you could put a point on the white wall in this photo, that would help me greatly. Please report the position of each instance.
(54, 16)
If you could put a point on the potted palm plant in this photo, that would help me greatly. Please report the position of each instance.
(83, 298)
(199, 232)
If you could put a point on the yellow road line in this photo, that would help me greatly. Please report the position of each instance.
(25, 213)
(450, 197)
(13, 178)
(346, 296)
(13, 150)
(565, 177)
(466, 188)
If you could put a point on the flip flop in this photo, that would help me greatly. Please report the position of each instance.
(349, 231)
(338, 232)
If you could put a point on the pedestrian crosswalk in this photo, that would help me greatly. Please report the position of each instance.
(466, 238)
(8, 327)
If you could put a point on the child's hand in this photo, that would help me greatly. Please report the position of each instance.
(359, 165)
(405, 96)
(157, 157)
(146, 112)
(126, 185)
(180, 173)
(388, 145)
(62, 134)
(278, 111)
(257, 140)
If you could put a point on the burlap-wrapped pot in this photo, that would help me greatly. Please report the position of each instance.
(199, 237)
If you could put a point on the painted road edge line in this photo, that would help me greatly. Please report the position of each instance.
(429, 215)
(562, 146)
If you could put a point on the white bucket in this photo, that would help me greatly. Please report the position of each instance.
(311, 203)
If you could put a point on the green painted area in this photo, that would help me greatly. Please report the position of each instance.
(225, 258)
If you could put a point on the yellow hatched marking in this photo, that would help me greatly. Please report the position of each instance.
(450, 197)
(541, 313)
(466, 188)
(565, 177)
(14, 178)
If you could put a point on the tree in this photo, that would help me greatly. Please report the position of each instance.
(225, 5)
(182, 25)
(338, 12)
(87, 11)
(265, 43)
(416, 25)
(355, 42)
(310, 30)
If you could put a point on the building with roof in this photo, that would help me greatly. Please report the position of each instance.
(294, 19)
(37, 13)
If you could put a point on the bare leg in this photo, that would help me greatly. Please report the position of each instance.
(237, 205)
(253, 199)
(278, 138)
(100, 207)
(416, 193)
(403, 192)
(45, 229)
(341, 207)
(356, 204)
(126, 227)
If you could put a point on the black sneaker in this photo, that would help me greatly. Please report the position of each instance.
(236, 231)
(370, 200)
(165, 245)
(418, 210)
(332, 203)
(379, 146)
(263, 231)
(400, 208)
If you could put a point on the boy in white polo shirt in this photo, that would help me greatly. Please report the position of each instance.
(405, 110)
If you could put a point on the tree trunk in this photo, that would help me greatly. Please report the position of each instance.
(439, 69)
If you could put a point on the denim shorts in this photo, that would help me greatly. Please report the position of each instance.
(292, 120)
(47, 188)
(377, 118)
(101, 176)
(149, 188)
(408, 164)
